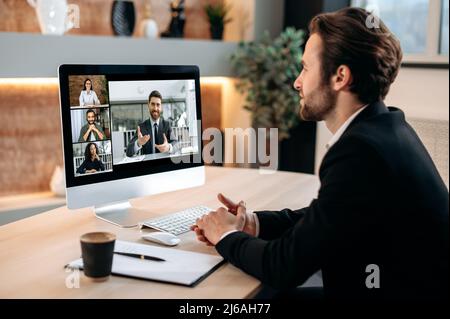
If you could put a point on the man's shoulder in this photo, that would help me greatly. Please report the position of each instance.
(145, 124)
(375, 138)
(381, 131)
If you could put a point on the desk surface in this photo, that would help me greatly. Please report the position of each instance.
(34, 250)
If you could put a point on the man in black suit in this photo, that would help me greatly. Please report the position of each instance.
(378, 228)
(155, 134)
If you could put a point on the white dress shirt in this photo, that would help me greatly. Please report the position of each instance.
(88, 98)
(332, 141)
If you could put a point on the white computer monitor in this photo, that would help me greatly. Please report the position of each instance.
(112, 149)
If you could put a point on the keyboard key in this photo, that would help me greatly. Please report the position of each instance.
(178, 222)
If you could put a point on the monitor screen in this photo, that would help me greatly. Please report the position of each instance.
(127, 121)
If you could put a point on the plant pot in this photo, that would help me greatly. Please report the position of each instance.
(216, 32)
(123, 18)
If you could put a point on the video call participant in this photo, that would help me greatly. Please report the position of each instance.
(91, 131)
(154, 134)
(88, 96)
(92, 162)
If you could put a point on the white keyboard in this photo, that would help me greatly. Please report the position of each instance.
(178, 222)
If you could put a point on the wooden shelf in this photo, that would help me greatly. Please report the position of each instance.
(35, 55)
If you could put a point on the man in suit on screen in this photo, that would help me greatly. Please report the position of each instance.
(155, 134)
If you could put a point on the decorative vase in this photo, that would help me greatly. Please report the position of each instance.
(216, 32)
(149, 27)
(52, 15)
(176, 26)
(123, 17)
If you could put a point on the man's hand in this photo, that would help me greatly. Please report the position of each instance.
(250, 223)
(217, 223)
(249, 219)
(163, 148)
(142, 140)
(100, 135)
(90, 128)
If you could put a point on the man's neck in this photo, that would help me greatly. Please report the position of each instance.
(343, 110)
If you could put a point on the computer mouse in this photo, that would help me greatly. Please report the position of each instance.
(163, 238)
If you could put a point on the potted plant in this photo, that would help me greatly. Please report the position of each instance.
(218, 17)
(267, 70)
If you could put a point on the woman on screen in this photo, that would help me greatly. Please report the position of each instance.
(92, 162)
(88, 97)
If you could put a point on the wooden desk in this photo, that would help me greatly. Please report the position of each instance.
(33, 251)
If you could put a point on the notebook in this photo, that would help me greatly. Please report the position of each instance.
(180, 267)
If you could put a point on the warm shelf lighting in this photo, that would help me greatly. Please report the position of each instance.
(28, 81)
(214, 80)
(211, 80)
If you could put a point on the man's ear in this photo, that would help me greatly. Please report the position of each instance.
(342, 79)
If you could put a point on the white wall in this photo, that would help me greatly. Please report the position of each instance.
(241, 27)
(252, 17)
(140, 90)
(420, 93)
(269, 15)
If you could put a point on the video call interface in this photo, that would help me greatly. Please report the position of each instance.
(120, 122)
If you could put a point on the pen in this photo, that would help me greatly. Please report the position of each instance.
(140, 256)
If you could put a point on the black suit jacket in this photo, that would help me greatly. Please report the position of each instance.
(381, 201)
(146, 129)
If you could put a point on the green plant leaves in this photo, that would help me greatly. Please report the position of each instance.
(217, 14)
(267, 70)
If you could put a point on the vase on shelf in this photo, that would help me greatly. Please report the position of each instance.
(176, 26)
(149, 27)
(52, 16)
(216, 32)
(123, 17)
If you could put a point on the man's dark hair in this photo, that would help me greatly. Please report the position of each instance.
(87, 151)
(369, 49)
(92, 85)
(154, 94)
(90, 111)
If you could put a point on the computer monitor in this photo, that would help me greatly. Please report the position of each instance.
(129, 131)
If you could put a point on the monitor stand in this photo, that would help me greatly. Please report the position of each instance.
(121, 214)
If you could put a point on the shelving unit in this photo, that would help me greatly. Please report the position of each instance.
(34, 55)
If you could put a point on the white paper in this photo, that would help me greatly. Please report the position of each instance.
(181, 267)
